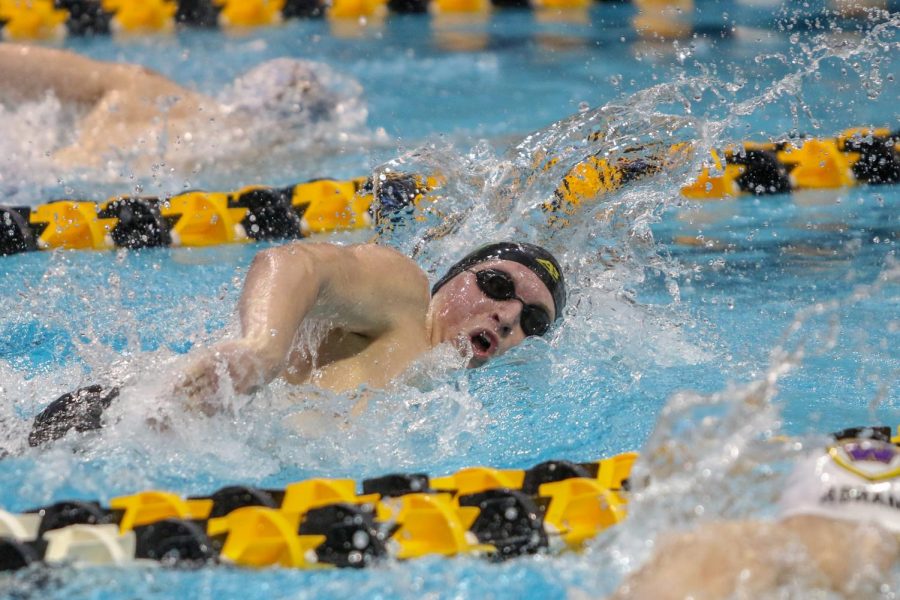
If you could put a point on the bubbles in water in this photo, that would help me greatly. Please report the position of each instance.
(723, 456)
(32, 131)
(360, 540)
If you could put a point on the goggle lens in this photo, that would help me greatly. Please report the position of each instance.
(498, 285)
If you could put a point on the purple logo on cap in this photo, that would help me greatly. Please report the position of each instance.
(882, 453)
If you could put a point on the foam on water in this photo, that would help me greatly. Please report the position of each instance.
(30, 134)
(281, 113)
(723, 455)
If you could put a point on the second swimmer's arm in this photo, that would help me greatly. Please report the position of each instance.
(29, 72)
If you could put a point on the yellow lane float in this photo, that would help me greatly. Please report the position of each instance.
(324, 523)
(204, 218)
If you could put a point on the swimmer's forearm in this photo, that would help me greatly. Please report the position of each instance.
(282, 287)
(29, 72)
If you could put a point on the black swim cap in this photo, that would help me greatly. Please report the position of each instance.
(538, 260)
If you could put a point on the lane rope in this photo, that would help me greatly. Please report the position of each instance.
(323, 523)
(22, 20)
(499, 514)
(203, 218)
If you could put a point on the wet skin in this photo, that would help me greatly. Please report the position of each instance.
(377, 316)
(465, 316)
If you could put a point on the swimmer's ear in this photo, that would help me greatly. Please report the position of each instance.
(81, 410)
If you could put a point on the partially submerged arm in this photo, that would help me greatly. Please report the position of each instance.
(366, 290)
(363, 289)
(752, 558)
(29, 72)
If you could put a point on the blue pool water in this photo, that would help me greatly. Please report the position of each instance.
(810, 278)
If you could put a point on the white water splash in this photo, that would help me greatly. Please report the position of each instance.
(298, 125)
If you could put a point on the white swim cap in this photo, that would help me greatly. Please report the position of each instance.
(283, 88)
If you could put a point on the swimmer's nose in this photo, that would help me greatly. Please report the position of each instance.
(507, 316)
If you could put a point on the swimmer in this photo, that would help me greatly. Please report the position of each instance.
(376, 316)
(838, 528)
(126, 110)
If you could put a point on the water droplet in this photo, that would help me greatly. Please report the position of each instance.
(360, 540)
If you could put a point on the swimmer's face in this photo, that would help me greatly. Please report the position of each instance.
(465, 316)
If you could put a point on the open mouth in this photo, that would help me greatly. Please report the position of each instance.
(483, 344)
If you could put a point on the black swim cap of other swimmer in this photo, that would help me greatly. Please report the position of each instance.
(539, 261)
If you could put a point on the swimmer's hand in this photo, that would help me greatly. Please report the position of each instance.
(235, 366)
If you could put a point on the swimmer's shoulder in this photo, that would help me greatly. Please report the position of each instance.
(388, 259)
(371, 255)
(394, 269)
(380, 269)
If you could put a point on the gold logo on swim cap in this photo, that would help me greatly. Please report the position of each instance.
(548, 266)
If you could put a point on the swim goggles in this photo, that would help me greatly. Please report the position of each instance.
(498, 285)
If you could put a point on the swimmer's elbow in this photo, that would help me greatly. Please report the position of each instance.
(293, 252)
(263, 260)
(282, 286)
(285, 262)
(310, 263)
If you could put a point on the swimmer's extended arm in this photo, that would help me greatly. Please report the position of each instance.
(363, 289)
(29, 72)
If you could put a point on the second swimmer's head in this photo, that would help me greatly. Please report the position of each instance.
(286, 89)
